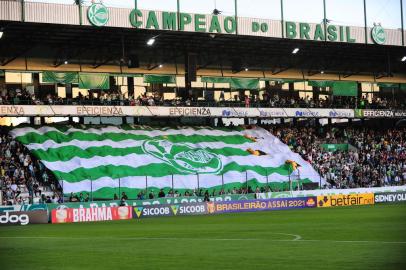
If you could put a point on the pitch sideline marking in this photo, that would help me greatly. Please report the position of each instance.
(297, 237)
(203, 239)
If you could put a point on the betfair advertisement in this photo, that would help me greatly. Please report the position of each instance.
(345, 200)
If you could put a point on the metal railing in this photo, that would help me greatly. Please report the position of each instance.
(245, 182)
(201, 103)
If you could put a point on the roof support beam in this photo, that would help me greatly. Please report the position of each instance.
(153, 67)
(346, 75)
(279, 70)
(11, 59)
(59, 62)
(312, 73)
(108, 59)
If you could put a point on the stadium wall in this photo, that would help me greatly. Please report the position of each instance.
(105, 211)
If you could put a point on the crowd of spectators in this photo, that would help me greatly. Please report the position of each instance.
(328, 102)
(376, 157)
(23, 97)
(22, 177)
(199, 192)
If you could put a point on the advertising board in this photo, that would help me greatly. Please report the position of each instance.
(390, 197)
(379, 113)
(24, 207)
(23, 217)
(69, 215)
(345, 200)
(271, 112)
(327, 192)
(157, 201)
(261, 205)
(170, 210)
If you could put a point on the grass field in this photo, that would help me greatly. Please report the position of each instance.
(367, 237)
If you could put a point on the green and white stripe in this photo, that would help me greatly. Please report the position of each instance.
(137, 157)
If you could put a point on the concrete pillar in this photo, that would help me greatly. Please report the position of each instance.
(68, 90)
(291, 90)
(316, 93)
(130, 84)
(35, 80)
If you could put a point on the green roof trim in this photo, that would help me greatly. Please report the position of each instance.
(235, 83)
(60, 77)
(127, 74)
(244, 83)
(94, 81)
(153, 78)
(345, 88)
(216, 79)
(389, 85)
(282, 81)
(321, 83)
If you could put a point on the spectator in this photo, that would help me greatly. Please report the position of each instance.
(377, 158)
(124, 196)
(151, 195)
(161, 194)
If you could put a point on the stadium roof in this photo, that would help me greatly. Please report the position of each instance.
(97, 46)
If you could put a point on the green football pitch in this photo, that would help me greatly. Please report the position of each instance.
(364, 237)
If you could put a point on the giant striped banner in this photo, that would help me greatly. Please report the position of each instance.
(131, 158)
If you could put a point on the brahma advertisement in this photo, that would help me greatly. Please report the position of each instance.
(345, 200)
(261, 205)
(69, 215)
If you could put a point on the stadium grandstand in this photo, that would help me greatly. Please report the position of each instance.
(132, 109)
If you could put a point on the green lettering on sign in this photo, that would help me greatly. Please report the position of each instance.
(304, 30)
(230, 25)
(318, 33)
(184, 19)
(264, 27)
(134, 15)
(349, 39)
(169, 20)
(332, 33)
(291, 30)
(199, 23)
(341, 33)
(255, 27)
(215, 25)
(152, 21)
